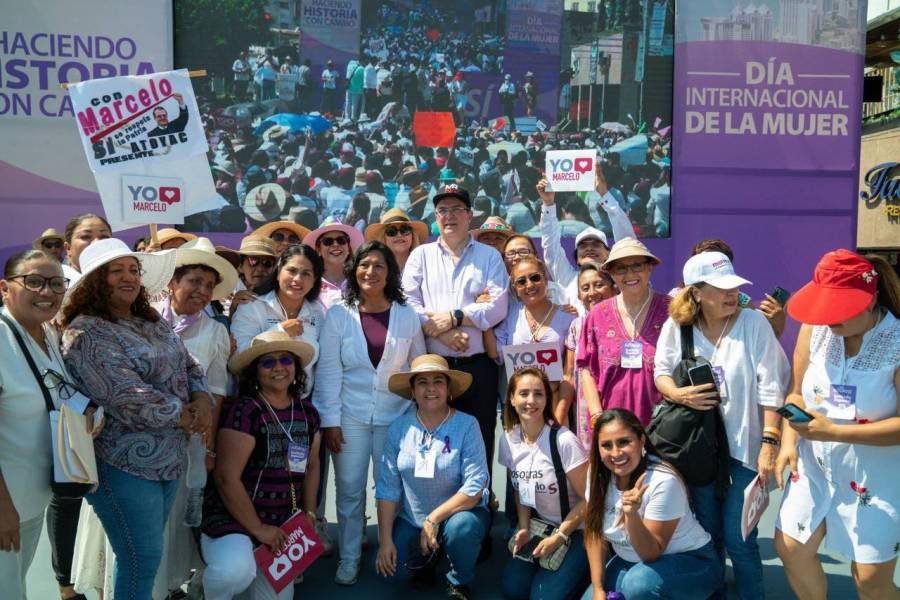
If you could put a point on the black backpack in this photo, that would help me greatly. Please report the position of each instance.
(694, 441)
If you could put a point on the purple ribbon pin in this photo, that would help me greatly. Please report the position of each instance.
(446, 449)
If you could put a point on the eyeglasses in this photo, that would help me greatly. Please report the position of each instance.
(52, 245)
(280, 237)
(54, 380)
(394, 231)
(521, 253)
(533, 278)
(37, 283)
(632, 268)
(264, 261)
(452, 210)
(341, 240)
(269, 362)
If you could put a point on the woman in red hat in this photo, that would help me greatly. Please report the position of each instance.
(843, 453)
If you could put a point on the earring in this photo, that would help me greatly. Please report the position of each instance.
(643, 451)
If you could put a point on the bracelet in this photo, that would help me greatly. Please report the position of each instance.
(210, 453)
(771, 440)
(429, 521)
(559, 532)
(774, 431)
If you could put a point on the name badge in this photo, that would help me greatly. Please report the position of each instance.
(425, 460)
(527, 491)
(298, 456)
(632, 355)
(842, 402)
(721, 384)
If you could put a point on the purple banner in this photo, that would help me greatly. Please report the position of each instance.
(329, 30)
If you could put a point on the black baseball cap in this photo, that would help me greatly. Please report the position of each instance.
(452, 190)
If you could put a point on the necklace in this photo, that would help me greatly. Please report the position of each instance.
(637, 317)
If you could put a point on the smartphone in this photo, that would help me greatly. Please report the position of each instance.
(781, 295)
(701, 374)
(743, 300)
(526, 552)
(794, 413)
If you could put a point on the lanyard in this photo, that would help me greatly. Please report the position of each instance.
(637, 317)
(429, 435)
(537, 329)
(712, 359)
(277, 420)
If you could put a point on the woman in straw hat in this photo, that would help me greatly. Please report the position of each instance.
(267, 466)
(283, 233)
(52, 243)
(372, 334)
(399, 233)
(255, 260)
(127, 359)
(433, 478)
(843, 486)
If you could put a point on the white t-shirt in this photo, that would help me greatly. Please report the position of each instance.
(534, 463)
(665, 499)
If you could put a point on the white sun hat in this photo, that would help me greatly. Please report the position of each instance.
(202, 252)
(157, 266)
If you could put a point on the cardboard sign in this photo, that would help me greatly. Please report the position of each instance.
(544, 355)
(303, 547)
(466, 156)
(571, 170)
(152, 199)
(434, 129)
(756, 500)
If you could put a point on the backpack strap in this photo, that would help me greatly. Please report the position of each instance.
(48, 401)
(561, 480)
(687, 342)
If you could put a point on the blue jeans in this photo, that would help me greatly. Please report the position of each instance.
(722, 519)
(459, 536)
(523, 580)
(133, 512)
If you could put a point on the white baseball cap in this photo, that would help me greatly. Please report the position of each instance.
(591, 232)
(712, 268)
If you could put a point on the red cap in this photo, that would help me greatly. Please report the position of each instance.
(843, 286)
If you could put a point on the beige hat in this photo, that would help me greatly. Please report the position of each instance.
(49, 234)
(271, 341)
(269, 228)
(257, 245)
(360, 177)
(393, 217)
(401, 383)
(168, 234)
(202, 252)
(265, 202)
(627, 247)
(274, 133)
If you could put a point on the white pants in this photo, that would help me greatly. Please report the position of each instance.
(231, 569)
(14, 565)
(362, 442)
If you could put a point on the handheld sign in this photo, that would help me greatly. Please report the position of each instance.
(152, 199)
(303, 547)
(756, 500)
(544, 355)
(571, 170)
(434, 129)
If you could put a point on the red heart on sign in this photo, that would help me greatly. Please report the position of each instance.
(170, 195)
(584, 165)
(546, 357)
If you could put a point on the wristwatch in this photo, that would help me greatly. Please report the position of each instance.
(458, 316)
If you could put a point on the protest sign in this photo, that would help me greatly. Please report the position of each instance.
(434, 129)
(152, 200)
(466, 156)
(122, 120)
(756, 500)
(302, 548)
(571, 170)
(543, 355)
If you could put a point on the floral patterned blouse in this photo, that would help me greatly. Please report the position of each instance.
(142, 375)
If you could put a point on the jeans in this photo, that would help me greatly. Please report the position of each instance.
(690, 575)
(722, 519)
(14, 565)
(523, 580)
(362, 443)
(354, 105)
(133, 512)
(62, 524)
(231, 569)
(459, 536)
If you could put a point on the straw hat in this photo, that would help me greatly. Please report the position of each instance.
(356, 238)
(271, 341)
(265, 202)
(202, 252)
(157, 266)
(844, 285)
(49, 234)
(274, 133)
(269, 228)
(401, 383)
(493, 225)
(360, 177)
(627, 247)
(168, 234)
(392, 217)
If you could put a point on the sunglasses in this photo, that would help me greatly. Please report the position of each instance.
(341, 240)
(401, 230)
(280, 237)
(269, 362)
(37, 283)
(533, 278)
(52, 245)
(265, 261)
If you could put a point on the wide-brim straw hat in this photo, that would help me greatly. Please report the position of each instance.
(629, 247)
(269, 228)
(265, 202)
(397, 216)
(158, 267)
(401, 383)
(356, 238)
(271, 341)
(167, 234)
(202, 252)
(49, 234)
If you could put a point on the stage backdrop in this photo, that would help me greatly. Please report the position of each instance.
(43, 43)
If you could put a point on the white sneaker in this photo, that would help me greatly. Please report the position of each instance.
(347, 572)
(321, 527)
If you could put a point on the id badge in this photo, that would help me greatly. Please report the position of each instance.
(632, 355)
(842, 402)
(425, 464)
(719, 376)
(298, 456)
(527, 493)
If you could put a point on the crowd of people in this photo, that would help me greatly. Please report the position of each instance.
(310, 354)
